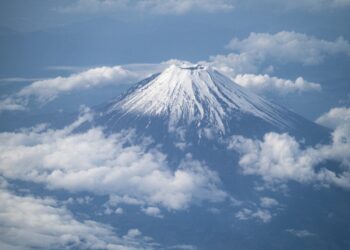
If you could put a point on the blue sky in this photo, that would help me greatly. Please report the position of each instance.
(44, 39)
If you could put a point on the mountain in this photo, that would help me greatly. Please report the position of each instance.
(197, 102)
(195, 110)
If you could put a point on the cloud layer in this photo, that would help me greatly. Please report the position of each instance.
(281, 158)
(94, 162)
(28, 222)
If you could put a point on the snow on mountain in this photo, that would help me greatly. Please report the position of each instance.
(186, 94)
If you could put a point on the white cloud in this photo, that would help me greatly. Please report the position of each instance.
(49, 89)
(133, 233)
(259, 214)
(11, 104)
(119, 210)
(245, 67)
(152, 211)
(335, 117)
(263, 211)
(18, 79)
(280, 158)
(268, 202)
(254, 57)
(285, 47)
(46, 90)
(162, 7)
(266, 83)
(183, 247)
(85, 200)
(234, 63)
(28, 222)
(100, 164)
(300, 233)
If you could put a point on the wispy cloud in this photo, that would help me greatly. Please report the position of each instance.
(300, 233)
(308, 5)
(46, 90)
(268, 202)
(18, 79)
(12, 104)
(67, 68)
(49, 89)
(263, 211)
(161, 7)
(260, 214)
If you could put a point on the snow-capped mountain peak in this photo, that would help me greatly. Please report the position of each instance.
(195, 94)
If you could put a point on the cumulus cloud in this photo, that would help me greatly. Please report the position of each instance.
(234, 63)
(260, 214)
(175, 7)
(335, 117)
(262, 211)
(28, 222)
(281, 158)
(105, 165)
(288, 46)
(266, 83)
(244, 68)
(268, 202)
(253, 58)
(119, 210)
(152, 211)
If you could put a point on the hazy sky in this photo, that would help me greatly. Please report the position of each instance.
(96, 190)
(43, 39)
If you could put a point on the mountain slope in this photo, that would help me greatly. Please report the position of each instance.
(192, 111)
(197, 101)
